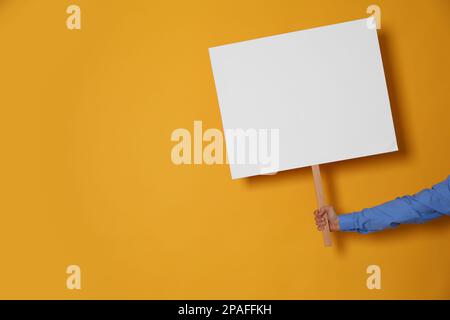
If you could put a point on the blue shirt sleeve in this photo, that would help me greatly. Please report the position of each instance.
(426, 205)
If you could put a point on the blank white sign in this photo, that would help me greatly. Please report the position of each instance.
(322, 91)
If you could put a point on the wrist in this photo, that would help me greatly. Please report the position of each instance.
(334, 225)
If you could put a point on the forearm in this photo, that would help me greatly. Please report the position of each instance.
(424, 206)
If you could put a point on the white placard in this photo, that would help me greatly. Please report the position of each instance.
(303, 98)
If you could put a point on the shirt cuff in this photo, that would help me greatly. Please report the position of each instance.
(347, 222)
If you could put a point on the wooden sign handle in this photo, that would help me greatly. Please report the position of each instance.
(321, 202)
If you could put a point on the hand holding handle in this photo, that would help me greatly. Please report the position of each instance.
(321, 202)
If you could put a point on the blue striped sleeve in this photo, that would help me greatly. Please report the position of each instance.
(423, 206)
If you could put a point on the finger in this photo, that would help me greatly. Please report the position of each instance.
(322, 213)
(319, 216)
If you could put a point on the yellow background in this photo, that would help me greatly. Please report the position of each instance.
(87, 179)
